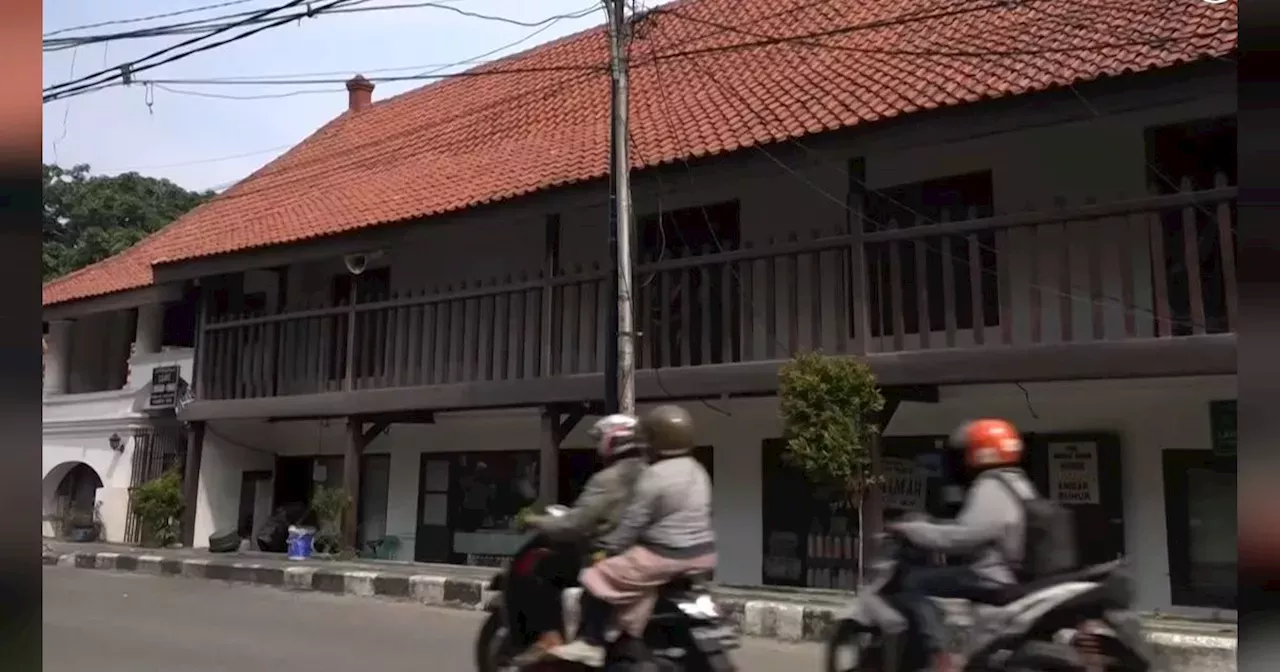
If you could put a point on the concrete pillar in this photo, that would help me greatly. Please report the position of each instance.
(57, 359)
(191, 481)
(149, 334)
(351, 480)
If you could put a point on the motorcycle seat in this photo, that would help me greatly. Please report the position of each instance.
(1010, 594)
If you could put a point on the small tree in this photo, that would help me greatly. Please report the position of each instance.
(330, 506)
(158, 506)
(830, 409)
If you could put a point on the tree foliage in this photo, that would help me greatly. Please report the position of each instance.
(830, 407)
(330, 506)
(158, 505)
(88, 218)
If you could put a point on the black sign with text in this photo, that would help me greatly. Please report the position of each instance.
(164, 386)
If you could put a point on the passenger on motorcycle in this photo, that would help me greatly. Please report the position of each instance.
(665, 533)
(990, 529)
(596, 511)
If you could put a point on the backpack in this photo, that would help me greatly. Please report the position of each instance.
(1050, 536)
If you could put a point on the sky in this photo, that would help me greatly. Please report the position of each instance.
(201, 142)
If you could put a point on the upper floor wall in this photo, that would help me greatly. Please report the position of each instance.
(752, 256)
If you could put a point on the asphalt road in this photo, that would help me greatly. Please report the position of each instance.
(124, 622)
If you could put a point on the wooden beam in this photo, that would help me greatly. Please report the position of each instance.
(1209, 355)
(569, 421)
(191, 481)
(549, 457)
(351, 479)
(372, 432)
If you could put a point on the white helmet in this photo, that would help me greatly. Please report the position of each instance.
(614, 435)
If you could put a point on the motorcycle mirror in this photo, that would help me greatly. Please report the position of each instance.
(557, 510)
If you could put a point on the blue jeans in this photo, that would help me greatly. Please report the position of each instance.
(920, 584)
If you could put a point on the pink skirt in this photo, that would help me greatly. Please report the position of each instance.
(630, 582)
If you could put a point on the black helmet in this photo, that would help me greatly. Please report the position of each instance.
(668, 430)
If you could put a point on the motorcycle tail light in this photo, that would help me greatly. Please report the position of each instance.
(523, 565)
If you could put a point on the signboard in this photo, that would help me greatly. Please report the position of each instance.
(164, 386)
(1222, 427)
(1073, 473)
(904, 484)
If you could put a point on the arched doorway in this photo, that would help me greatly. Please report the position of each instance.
(70, 494)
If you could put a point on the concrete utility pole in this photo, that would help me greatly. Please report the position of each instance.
(621, 395)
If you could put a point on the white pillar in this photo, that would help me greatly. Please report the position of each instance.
(56, 359)
(150, 332)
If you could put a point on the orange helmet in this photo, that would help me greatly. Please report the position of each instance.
(987, 443)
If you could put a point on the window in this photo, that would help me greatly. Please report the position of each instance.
(180, 321)
(1200, 519)
(1196, 151)
(679, 234)
(959, 197)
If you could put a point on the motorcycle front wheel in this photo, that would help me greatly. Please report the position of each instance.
(853, 647)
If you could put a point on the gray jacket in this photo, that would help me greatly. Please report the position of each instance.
(991, 526)
(599, 508)
(670, 512)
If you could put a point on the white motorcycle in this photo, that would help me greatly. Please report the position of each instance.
(1076, 622)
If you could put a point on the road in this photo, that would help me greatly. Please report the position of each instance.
(124, 622)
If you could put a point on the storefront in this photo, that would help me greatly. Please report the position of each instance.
(469, 502)
(811, 533)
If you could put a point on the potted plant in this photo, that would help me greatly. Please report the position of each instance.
(330, 506)
(158, 506)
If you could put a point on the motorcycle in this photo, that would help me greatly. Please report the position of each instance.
(685, 633)
(1075, 622)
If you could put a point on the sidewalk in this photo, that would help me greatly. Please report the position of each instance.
(788, 615)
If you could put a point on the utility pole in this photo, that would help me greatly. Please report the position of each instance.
(621, 394)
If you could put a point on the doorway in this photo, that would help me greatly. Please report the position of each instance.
(1085, 473)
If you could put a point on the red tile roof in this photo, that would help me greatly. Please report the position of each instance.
(708, 77)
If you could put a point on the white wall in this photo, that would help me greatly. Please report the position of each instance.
(1149, 415)
(222, 465)
(76, 428)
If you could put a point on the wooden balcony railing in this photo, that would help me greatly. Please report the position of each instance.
(1154, 267)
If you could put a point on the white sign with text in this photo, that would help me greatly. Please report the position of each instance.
(1073, 473)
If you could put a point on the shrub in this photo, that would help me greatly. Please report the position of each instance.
(158, 506)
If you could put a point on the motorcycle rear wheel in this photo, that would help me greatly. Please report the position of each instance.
(491, 645)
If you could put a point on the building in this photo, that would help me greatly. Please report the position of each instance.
(997, 227)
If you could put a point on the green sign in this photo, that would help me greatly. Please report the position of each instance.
(1222, 426)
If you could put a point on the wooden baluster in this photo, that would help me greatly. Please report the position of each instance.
(1191, 260)
(685, 334)
(1227, 245)
(1159, 272)
(666, 329)
(706, 318)
(923, 323)
(976, 271)
(817, 335)
(1094, 234)
(1066, 292)
(601, 316)
(516, 335)
(571, 323)
(948, 283)
(898, 309)
(457, 334)
(750, 311)
(1035, 307)
(502, 330)
(771, 302)
(468, 351)
(1127, 254)
(533, 324)
(792, 278)
(730, 309)
(1004, 288)
(646, 353)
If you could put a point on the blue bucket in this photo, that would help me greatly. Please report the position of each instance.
(300, 542)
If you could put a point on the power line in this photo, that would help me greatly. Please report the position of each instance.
(127, 70)
(153, 17)
(204, 25)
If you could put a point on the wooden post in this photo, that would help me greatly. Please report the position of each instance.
(549, 457)
(349, 382)
(858, 301)
(191, 481)
(351, 479)
(873, 500)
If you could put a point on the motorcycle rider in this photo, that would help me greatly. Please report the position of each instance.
(990, 529)
(596, 511)
(665, 533)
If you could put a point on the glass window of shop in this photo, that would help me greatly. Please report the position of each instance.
(811, 532)
(469, 502)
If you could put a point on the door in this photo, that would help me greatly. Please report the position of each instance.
(1084, 472)
(432, 539)
(293, 481)
(247, 520)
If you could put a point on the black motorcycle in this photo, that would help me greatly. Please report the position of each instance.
(685, 633)
(1070, 623)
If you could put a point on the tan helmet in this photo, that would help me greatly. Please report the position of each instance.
(668, 431)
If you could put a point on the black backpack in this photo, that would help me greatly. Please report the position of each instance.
(1050, 538)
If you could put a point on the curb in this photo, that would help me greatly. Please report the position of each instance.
(785, 621)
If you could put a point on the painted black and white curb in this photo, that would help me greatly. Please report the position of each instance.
(786, 621)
